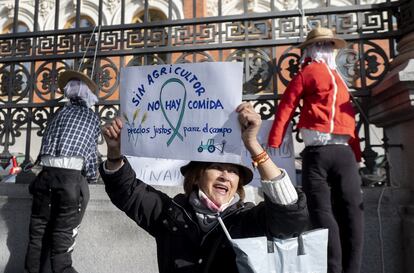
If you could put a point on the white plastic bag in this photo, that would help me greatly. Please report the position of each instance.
(307, 253)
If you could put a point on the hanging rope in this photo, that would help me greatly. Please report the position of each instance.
(87, 47)
(302, 14)
(96, 50)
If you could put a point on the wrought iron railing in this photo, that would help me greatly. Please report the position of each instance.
(264, 42)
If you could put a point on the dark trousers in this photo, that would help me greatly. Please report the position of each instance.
(60, 197)
(331, 182)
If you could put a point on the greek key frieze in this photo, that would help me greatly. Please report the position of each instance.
(135, 38)
(110, 40)
(6, 47)
(374, 21)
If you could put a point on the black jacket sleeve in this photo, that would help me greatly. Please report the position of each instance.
(287, 220)
(274, 220)
(141, 202)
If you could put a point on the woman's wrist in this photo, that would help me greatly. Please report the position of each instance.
(115, 159)
(260, 158)
(112, 164)
(114, 152)
(254, 148)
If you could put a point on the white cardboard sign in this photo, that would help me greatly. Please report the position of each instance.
(182, 111)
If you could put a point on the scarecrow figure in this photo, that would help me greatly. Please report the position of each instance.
(330, 175)
(69, 160)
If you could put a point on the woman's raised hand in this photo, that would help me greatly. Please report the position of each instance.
(112, 135)
(250, 122)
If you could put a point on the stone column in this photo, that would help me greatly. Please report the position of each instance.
(392, 107)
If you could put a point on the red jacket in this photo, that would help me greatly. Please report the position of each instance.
(326, 103)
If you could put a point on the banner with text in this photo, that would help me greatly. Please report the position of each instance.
(166, 172)
(182, 111)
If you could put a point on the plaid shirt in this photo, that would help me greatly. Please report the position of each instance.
(74, 131)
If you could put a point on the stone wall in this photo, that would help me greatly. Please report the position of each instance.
(109, 242)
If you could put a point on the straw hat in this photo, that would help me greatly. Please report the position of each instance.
(321, 34)
(246, 171)
(68, 75)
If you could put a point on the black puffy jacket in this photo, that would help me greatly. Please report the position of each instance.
(181, 245)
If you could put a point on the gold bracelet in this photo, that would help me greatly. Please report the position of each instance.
(261, 160)
(259, 156)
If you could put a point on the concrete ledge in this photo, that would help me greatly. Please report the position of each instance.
(110, 242)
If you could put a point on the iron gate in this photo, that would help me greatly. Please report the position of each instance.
(263, 41)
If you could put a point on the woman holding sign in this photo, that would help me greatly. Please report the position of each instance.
(188, 235)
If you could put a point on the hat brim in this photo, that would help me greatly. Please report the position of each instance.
(337, 42)
(68, 75)
(246, 171)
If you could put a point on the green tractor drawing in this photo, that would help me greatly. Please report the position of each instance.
(210, 146)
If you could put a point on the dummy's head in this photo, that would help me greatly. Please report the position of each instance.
(320, 45)
(76, 84)
(219, 181)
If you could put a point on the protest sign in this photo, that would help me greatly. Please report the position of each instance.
(158, 171)
(182, 111)
(167, 172)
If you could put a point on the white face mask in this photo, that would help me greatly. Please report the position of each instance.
(76, 88)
